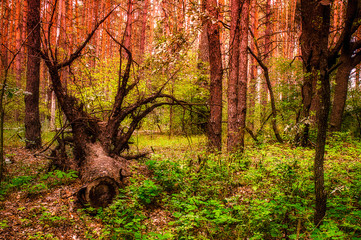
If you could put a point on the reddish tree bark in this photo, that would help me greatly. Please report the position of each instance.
(253, 70)
(4, 33)
(267, 49)
(348, 61)
(233, 125)
(216, 72)
(203, 50)
(19, 40)
(243, 75)
(340, 96)
(237, 87)
(143, 29)
(128, 27)
(32, 118)
(318, 62)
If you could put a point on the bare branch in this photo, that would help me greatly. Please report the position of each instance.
(122, 84)
(49, 31)
(269, 86)
(260, 62)
(349, 29)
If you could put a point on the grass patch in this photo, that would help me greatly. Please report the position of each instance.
(166, 141)
(14, 135)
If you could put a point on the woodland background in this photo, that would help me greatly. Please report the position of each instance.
(250, 110)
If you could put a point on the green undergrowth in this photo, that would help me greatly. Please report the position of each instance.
(189, 193)
(267, 193)
(35, 184)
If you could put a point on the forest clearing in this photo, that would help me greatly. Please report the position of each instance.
(180, 119)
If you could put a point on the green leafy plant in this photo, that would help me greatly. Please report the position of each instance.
(42, 236)
(49, 219)
(58, 177)
(123, 220)
(34, 185)
(169, 174)
(148, 192)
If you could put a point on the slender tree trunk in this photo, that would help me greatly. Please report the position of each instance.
(273, 102)
(12, 35)
(143, 39)
(216, 72)
(314, 44)
(322, 120)
(19, 29)
(252, 94)
(233, 125)
(243, 74)
(32, 118)
(267, 49)
(143, 30)
(128, 27)
(96, 38)
(2, 119)
(253, 70)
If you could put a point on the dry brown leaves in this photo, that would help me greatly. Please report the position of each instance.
(50, 214)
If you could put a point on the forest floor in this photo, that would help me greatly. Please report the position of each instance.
(183, 192)
(37, 207)
(38, 204)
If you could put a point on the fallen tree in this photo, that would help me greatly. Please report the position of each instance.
(97, 143)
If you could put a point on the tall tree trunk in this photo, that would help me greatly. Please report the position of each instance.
(233, 125)
(19, 29)
(314, 44)
(253, 71)
(267, 49)
(4, 33)
(216, 72)
(32, 118)
(243, 76)
(322, 120)
(128, 27)
(143, 32)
